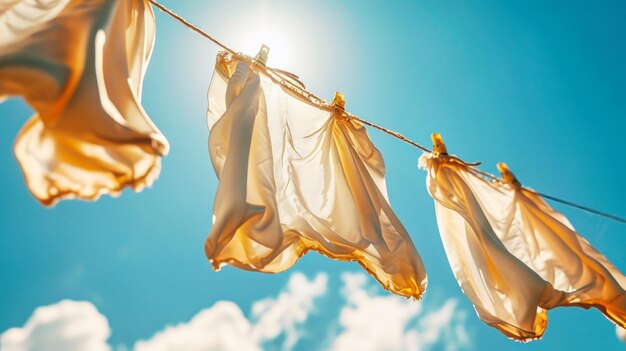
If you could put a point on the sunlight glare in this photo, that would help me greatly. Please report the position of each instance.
(279, 48)
(268, 32)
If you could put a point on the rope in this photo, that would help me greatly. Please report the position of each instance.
(390, 132)
(554, 198)
(191, 26)
(581, 207)
(282, 78)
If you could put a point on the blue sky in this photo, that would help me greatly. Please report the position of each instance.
(540, 85)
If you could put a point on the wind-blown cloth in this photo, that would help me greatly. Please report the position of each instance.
(80, 66)
(513, 255)
(294, 177)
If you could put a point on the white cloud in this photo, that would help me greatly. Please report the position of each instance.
(372, 322)
(621, 333)
(223, 327)
(285, 313)
(65, 326)
(368, 322)
(446, 323)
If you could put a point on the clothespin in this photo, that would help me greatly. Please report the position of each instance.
(339, 100)
(261, 57)
(508, 176)
(439, 148)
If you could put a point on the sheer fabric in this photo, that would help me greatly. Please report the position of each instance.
(80, 66)
(621, 333)
(293, 178)
(513, 255)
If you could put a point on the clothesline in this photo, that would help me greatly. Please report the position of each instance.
(280, 78)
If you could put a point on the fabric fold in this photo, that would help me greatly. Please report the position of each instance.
(513, 255)
(294, 177)
(80, 66)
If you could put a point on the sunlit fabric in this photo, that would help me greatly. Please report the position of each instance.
(293, 178)
(80, 66)
(621, 333)
(513, 255)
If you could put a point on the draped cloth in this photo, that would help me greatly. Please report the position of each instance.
(80, 66)
(513, 255)
(294, 177)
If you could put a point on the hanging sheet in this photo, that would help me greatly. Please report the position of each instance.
(80, 66)
(513, 255)
(293, 178)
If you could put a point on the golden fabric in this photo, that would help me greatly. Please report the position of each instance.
(293, 178)
(513, 255)
(80, 65)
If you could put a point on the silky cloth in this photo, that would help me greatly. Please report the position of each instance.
(513, 255)
(80, 66)
(294, 177)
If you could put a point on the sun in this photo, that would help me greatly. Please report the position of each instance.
(276, 40)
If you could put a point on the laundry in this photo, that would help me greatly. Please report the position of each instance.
(295, 177)
(295, 173)
(80, 66)
(512, 254)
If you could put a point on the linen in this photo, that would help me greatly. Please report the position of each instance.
(513, 255)
(294, 177)
(80, 66)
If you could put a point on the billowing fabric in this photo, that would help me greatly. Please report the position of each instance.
(294, 178)
(80, 66)
(513, 255)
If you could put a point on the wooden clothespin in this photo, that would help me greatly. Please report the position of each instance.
(508, 176)
(339, 100)
(439, 148)
(261, 57)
